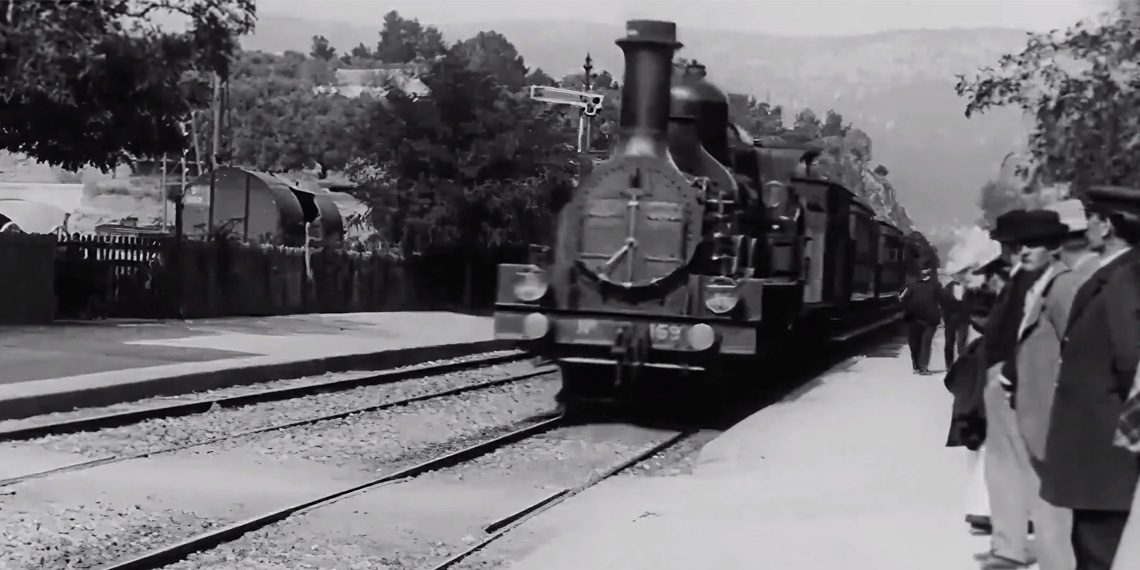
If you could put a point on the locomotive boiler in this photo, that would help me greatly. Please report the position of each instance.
(694, 250)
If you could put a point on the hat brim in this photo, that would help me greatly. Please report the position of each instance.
(992, 266)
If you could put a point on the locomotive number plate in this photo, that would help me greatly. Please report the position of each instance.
(666, 334)
(605, 332)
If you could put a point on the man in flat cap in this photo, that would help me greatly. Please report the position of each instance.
(1084, 470)
(1023, 236)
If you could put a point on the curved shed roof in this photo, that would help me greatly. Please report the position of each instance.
(32, 217)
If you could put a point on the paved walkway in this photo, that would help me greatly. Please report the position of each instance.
(74, 348)
(63, 366)
(850, 472)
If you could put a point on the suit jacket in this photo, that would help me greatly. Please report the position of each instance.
(1038, 353)
(1083, 469)
(954, 311)
(920, 301)
(1005, 319)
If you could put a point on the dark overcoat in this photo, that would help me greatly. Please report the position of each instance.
(1083, 469)
(966, 380)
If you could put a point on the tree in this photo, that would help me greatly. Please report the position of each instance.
(402, 40)
(468, 167)
(807, 124)
(1081, 87)
(757, 117)
(833, 125)
(322, 49)
(539, 77)
(92, 83)
(280, 123)
(492, 53)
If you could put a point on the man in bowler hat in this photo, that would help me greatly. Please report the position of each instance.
(1084, 470)
(1032, 373)
(921, 311)
(1021, 234)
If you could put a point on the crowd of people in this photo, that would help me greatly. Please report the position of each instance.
(1042, 345)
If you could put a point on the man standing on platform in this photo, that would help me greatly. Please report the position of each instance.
(920, 310)
(955, 315)
(1036, 360)
(1005, 471)
(1084, 471)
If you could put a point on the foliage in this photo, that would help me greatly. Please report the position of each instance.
(491, 53)
(279, 120)
(469, 166)
(539, 77)
(92, 83)
(755, 116)
(807, 124)
(322, 49)
(402, 40)
(1082, 87)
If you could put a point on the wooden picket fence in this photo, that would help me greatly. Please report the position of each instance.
(117, 276)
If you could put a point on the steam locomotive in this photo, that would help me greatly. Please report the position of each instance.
(694, 250)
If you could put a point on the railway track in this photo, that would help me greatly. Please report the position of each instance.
(176, 552)
(271, 395)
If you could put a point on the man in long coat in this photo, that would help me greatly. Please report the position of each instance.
(1006, 466)
(1084, 471)
(955, 315)
(1036, 358)
(922, 313)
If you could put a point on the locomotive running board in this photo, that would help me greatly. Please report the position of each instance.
(866, 329)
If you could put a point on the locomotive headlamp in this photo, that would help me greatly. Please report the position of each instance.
(530, 285)
(720, 296)
(535, 326)
(774, 194)
(700, 336)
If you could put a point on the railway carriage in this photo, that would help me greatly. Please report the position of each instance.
(694, 250)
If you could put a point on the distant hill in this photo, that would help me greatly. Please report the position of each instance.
(897, 86)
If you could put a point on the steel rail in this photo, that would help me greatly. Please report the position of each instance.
(127, 417)
(506, 524)
(391, 404)
(176, 552)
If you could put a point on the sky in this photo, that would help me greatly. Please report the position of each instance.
(781, 17)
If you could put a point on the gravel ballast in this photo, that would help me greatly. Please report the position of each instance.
(147, 512)
(161, 433)
(230, 392)
(52, 536)
(423, 521)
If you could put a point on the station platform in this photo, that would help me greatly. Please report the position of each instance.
(66, 365)
(850, 471)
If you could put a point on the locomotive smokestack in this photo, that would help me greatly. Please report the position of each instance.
(649, 46)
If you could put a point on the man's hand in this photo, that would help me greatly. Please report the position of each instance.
(994, 373)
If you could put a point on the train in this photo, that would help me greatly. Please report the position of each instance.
(694, 251)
